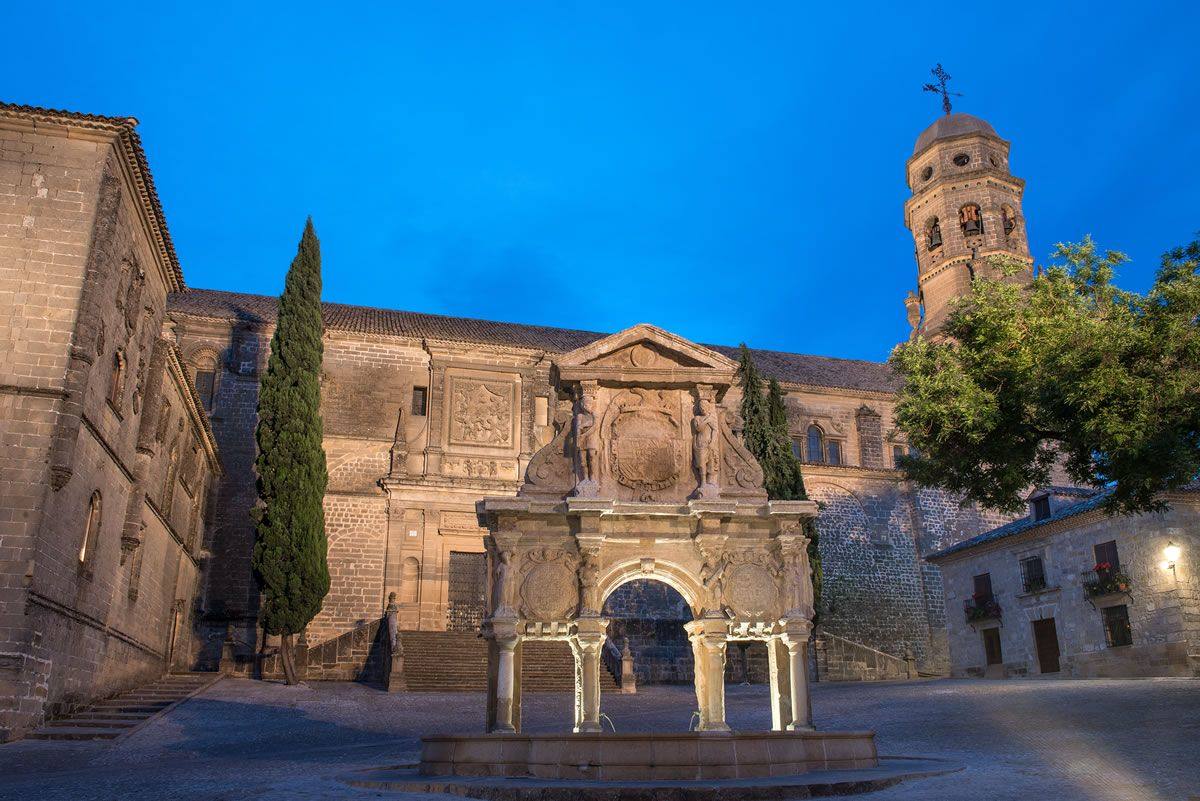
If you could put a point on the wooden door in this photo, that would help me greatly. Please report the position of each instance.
(1045, 638)
(991, 646)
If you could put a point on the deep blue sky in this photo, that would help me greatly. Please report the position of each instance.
(728, 171)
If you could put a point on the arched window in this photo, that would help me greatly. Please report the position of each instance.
(410, 578)
(1010, 219)
(204, 375)
(816, 444)
(116, 384)
(933, 234)
(971, 220)
(91, 530)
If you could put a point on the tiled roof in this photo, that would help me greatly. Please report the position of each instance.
(795, 368)
(1025, 524)
(131, 146)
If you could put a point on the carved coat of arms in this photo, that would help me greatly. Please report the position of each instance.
(645, 446)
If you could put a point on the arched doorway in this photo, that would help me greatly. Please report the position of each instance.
(649, 615)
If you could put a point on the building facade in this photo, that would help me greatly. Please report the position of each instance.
(124, 385)
(107, 454)
(1069, 590)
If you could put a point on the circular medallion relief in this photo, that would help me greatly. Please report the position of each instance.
(549, 591)
(750, 590)
(641, 356)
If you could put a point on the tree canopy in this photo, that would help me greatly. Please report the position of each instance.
(290, 550)
(1066, 370)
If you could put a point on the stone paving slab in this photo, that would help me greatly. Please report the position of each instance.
(240, 740)
(814, 784)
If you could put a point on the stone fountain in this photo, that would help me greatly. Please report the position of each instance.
(647, 477)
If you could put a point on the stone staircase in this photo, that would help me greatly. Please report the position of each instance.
(840, 659)
(451, 661)
(113, 717)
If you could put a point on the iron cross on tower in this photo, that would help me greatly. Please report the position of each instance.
(940, 87)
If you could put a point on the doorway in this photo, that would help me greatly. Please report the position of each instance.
(991, 646)
(1045, 639)
(649, 615)
(467, 595)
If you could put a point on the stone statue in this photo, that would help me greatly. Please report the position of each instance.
(711, 577)
(589, 575)
(502, 584)
(705, 456)
(798, 593)
(587, 444)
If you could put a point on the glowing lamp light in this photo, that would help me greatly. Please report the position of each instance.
(1172, 553)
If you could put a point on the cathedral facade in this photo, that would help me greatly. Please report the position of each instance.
(119, 381)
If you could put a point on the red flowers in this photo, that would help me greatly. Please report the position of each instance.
(1102, 567)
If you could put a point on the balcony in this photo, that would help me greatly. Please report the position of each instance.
(1104, 579)
(979, 608)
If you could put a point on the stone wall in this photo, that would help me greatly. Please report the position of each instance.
(92, 579)
(1163, 605)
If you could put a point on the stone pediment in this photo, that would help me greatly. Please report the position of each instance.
(646, 354)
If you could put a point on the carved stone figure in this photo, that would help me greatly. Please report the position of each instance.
(589, 575)
(502, 586)
(705, 447)
(587, 445)
(711, 574)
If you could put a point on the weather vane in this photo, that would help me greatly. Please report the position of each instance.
(940, 87)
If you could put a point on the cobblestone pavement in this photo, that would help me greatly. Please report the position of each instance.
(1101, 740)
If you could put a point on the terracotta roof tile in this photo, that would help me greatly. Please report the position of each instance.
(794, 368)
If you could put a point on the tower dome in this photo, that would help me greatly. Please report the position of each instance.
(950, 125)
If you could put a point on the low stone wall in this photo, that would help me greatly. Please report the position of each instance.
(361, 654)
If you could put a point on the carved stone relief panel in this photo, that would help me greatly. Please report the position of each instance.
(751, 588)
(550, 590)
(481, 412)
(646, 446)
(476, 467)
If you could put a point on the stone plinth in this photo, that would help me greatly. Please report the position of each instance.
(687, 756)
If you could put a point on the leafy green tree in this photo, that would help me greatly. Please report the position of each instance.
(765, 432)
(1064, 369)
(290, 550)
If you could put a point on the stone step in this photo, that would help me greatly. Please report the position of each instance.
(75, 733)
(105, 722)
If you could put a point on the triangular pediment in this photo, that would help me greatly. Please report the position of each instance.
(646, 347)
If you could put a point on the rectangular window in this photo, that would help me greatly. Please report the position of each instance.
(205, 383)
(983, 586)
(1033, 574)
(897, 452)
(419, 398)
(833, 452)
(1041, 508)
(798, 448)
(1106, 554)
(1117, 631)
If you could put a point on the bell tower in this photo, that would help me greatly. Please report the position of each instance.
(965, 207)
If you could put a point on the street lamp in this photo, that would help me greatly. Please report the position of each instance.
(1171, 554)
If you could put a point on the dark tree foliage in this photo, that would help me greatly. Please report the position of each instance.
(1067, 370)
(290, 549)
(766, 436)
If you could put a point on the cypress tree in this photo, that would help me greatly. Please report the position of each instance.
(290, 548)
(766, 436)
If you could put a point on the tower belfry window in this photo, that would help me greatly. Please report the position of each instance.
(1010, 219)
(971, 220)
(933, 234)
